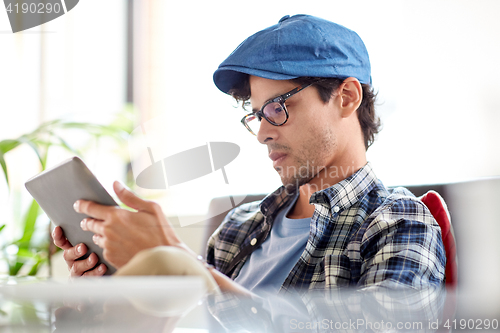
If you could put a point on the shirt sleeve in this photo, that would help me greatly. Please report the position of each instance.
(402, 247)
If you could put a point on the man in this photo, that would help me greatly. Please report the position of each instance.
(333, 223)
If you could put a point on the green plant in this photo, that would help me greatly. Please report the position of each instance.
(27, 251)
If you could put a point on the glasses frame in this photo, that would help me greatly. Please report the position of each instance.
(281, 100)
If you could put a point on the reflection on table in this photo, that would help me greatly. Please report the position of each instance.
(181, 305)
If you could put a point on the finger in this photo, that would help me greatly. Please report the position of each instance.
(98, 271)
(59, 239)
(75, 252)
(97, 239)
(93, 209)
(96, 226)
(79, 267)
(130, 199)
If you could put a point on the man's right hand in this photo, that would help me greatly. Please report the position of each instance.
(72, 253)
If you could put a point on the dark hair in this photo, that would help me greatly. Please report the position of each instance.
(369, 122)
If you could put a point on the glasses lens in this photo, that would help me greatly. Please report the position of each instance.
(253, 123)
(275, 113)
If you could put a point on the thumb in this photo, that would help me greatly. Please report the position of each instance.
(129, 198)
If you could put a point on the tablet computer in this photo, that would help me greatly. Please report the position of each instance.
(56, 190)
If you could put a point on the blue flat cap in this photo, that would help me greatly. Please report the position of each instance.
(301, 45)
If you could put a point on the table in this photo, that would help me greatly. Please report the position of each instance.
(180, 305)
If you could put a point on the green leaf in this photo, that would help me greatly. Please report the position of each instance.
(66, 145)
(8, 145)
(29, 223)
(32, 144)
(13, 270)
(3, 226)
(34, 268)
(43, 127)
(25, 253)
(88, 127)
(4, 168)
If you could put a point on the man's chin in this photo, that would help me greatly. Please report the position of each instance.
(293, 181)
(292, 184)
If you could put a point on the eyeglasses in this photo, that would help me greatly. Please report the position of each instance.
(274, 111)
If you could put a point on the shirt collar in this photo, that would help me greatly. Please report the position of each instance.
(341, 195)
(347, 192)
(276, 200)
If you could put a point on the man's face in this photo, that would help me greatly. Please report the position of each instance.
(308, 142)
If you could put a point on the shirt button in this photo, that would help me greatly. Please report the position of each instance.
(336, 209)
(254, 310)
(253, 241)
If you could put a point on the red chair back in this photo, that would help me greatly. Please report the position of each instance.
(439, 210)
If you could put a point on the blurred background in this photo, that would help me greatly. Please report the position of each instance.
(110, 68)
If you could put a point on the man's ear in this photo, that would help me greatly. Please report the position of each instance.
(351, 95)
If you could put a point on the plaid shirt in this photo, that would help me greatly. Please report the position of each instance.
(360, 235)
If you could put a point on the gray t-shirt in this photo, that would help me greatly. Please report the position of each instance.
(269, 265)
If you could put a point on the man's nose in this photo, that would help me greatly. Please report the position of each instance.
(267, 132)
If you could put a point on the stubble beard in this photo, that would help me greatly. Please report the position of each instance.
(307, 162)
(299, 173)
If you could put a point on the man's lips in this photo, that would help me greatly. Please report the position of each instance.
(277, 157)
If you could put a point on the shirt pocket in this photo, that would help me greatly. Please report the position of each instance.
(337, 271)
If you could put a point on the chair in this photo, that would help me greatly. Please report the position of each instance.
(439, 210)
(217, 211)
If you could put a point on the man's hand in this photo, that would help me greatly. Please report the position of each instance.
(122, 233)
(72, 253)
